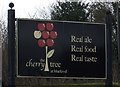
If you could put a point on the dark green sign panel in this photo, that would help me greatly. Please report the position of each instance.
(57, 49)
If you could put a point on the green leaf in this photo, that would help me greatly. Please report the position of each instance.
(50, 53)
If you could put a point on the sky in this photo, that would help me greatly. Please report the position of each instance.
(23, 7)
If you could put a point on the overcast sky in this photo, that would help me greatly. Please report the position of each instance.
(23, 7)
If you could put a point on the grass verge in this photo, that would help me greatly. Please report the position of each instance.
(77, 85)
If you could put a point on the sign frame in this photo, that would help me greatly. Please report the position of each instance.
(60, 77)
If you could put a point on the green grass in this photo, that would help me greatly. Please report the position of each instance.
(77, 85)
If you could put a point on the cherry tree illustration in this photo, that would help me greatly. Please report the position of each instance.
(46, 36)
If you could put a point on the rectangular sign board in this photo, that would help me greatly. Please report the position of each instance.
(61, 49)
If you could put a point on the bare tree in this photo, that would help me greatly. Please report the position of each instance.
(40, 13)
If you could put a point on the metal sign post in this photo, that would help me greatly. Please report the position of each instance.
(11, 46)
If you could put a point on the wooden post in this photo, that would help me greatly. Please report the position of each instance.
(11, 46)
(109, 49)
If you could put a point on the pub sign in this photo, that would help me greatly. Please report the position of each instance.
(61, 49)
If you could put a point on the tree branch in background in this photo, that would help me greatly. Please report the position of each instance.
(70, 11)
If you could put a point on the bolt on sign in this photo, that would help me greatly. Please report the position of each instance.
(61, 49)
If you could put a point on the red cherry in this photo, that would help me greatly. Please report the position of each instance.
(50, 42)
(45, 34)
(41, 26)
(49, 26)
(41, 43)
(53, 34)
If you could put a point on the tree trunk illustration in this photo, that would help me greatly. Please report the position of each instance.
(48, 55)
(46, 63)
